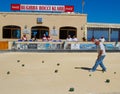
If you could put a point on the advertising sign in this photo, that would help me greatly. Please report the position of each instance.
(75, 46)
(109, 46)
(87, 46)
(52, 8)
(32, 46)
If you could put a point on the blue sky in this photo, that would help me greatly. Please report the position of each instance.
(100, 11)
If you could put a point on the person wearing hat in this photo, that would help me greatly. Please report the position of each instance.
(101, 55)
(102, 39)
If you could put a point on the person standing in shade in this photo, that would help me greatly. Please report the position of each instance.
(67, 45)
(101, 55)
(44, 38)
(69, 38)
(74, 39)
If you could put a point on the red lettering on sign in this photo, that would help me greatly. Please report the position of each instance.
(53, 8)
(31, 7)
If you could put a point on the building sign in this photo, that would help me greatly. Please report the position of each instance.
(109, 46)
(54, 32)
(26, 31)
(32, 46)
(75, 46)
(87, 47)
(50, 8)
(39, 20)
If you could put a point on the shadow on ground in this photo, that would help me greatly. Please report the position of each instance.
(85, 68)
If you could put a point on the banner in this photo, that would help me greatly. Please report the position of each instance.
(52, 8)
(109, 46)
(87, 47)
(75, 46)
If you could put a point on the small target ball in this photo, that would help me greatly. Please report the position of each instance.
(23, 65)
(8, 72)
(71, 89)
(107, 81)
(90, 75)
(58, 64)
(56, 71)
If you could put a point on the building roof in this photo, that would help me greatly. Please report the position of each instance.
(103, 25)
(45, 13)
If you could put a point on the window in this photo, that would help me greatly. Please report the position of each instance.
(97, 33)
(65, 31)
(11, 31)
(38, 31)
(115, 35)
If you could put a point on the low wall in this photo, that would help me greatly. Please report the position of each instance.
(60, 46)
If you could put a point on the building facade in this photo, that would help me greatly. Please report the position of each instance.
(57, 25)
(111, 32)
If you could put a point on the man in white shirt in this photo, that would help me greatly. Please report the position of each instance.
(67, 44)
(69, 38)
(102, 39)
(74, 39)
(101, 55)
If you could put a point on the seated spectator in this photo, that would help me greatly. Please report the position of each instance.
(69, 38)
(44, 38)
(24, 37)
(68, 45)
(84, 39)
(92, 39)
(49, 38)
(74, 39)
(116, 44)
(34, 38)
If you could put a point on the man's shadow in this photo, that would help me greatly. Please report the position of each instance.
(85, 68)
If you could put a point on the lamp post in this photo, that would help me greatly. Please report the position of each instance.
(83, 4)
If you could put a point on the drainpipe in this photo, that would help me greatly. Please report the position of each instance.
(109, 34)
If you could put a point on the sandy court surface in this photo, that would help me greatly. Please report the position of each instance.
(56, 73)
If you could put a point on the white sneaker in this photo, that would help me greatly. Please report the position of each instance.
(91, 70)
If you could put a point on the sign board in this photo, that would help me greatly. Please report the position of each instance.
(26, 31)
(54, 32)
(87, 46)
(109, 46)
(39, 20)
(75, 46)
(32, 46)
(52, 8)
